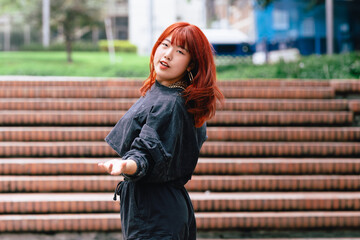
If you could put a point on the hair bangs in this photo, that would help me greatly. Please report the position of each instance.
(180, 37)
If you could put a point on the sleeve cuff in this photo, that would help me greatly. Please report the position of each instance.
(140, 171)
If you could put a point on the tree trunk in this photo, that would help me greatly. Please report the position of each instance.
(68, 50)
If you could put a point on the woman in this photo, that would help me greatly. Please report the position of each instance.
(160, 137)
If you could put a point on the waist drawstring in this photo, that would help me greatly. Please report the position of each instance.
(117, 190)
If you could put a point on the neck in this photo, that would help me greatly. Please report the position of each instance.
(168, 83)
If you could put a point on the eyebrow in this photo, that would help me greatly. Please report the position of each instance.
(177, 46)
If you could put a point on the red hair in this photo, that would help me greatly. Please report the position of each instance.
(201, 95)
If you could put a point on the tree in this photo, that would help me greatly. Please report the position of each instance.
(12, 6)
(67, 15)
(73, 15)
(11, 10)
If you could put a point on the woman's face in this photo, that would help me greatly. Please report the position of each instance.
(170, 62)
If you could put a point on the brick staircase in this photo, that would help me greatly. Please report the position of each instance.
(282, 156)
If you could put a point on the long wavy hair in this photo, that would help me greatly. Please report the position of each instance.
(201, 95)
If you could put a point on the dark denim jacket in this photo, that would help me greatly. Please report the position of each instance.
(159, 135)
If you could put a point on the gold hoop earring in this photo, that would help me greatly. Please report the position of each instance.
(191, 78)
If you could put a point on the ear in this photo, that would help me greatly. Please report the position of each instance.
(190, 67)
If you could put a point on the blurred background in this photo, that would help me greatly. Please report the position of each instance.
(282, 157)
(242, 32)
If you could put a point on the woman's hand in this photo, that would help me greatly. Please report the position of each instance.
(118, 166)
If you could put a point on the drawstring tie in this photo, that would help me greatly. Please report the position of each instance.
(117, 190)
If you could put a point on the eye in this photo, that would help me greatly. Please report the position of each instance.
(165, 44)
(181, 52)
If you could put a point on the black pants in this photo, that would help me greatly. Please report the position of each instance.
(156, 211)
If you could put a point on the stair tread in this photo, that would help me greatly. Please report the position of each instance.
(102, 202)
(272, 214)
(216, 183)
(251, 133)
(102, 143)
(205, 221)
(126, 103)
(19, 178)
(95, 81)
(201, 160)
(354, 105)
(210, 148)
(107, 196)
(347, 86)
(229, 129)
(121, 112)
(217, 166)
(285, 92)
(110, 118)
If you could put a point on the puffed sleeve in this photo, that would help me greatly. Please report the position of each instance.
(158, 142)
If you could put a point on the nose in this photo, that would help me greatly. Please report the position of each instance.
(168, 54)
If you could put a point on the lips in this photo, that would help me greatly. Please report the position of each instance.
(165, 64)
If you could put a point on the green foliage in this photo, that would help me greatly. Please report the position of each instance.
(119, 45)
(355, 68)
(13, 6)
(245, 70)
(79, 46)
(32, 47)
(322, 67)
(67, 14)
(337, 66)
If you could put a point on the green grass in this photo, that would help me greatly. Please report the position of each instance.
(337, 66)
(97, 64)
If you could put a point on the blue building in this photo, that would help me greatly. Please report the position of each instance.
(295, 23)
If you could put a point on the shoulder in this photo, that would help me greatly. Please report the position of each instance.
(166, 100)
(169, 105)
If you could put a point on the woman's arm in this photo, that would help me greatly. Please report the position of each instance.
(119, 166)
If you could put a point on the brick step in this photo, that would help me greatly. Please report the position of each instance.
(283, 133)
(202, 235)
(287, 104)
(281, 149)
(346, 86)
(110, 118)
(81, 104)
(213, 166)
(70, 92)
(278, 166)
(99, 202)
(229, 104)
(212, 149)
(282, 118)
(101, 81)
(205, 221)
(273, 83)
(12, 184)
(338, 85)
(354, 106)
(39, 81)
(279, 92)
(133, 92)
(214, 133)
